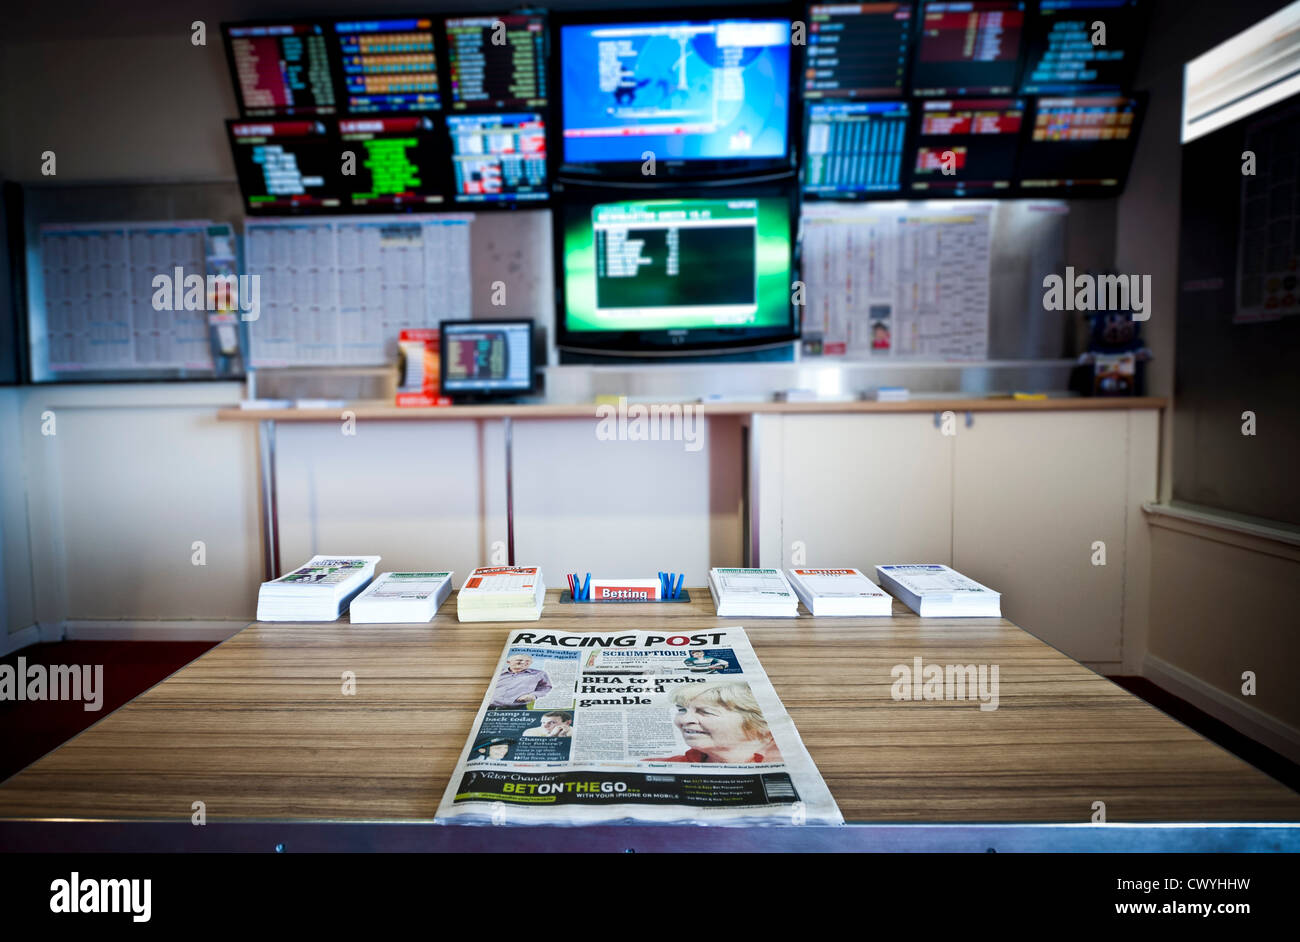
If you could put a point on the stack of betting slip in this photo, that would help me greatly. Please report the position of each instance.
(934, 591)
(839, 592)
(401, 598)
(319, 590)
(752, 593)
(501, 593)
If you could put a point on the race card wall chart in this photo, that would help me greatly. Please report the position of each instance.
(339, 292)
(890, 281)
(97, 281)
(1268, 246)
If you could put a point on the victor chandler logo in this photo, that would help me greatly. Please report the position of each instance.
(77, 895)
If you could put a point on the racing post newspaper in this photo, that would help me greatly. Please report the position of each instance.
(638, 728)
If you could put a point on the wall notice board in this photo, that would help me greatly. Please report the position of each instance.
(94, 310)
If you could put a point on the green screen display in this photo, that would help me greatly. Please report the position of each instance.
(677, 264)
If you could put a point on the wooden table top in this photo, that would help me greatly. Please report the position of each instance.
(259, 729)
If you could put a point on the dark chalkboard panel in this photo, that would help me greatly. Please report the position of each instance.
(1237, 241)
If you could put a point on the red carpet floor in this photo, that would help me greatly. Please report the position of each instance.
(30, 729)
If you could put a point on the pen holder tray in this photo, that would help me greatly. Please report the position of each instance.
(566, 597)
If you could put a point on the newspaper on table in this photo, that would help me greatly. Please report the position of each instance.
(634, 727)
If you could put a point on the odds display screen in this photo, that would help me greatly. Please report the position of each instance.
(966, 147)
(497, 62)
(677, 264)
(399, 161)
(1082, 143)
(388, 65)
(281, 69)
(857, 50)
(498, 157)
(286, 166)
(970, 48)
(855, 148)
(1081, 46)
(682, 91)
(486, 357)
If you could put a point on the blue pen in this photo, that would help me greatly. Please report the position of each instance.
(678, 590)
(586, 589)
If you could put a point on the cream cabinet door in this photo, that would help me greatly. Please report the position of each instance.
(861, 490)
(1033, 497)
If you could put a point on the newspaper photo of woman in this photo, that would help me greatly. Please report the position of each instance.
(721, 722)
(491, 749)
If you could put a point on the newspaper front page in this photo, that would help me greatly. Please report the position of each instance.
(634, 727)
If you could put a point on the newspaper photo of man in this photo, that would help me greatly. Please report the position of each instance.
(721, 722)
(519, 684)
(556, 724)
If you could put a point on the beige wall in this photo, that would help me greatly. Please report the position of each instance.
(1223, 603)
(1146, 240)
(125, 109)
(1216, 608)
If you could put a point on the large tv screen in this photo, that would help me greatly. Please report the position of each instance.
(281, 69)
(854, 149)
(400, 162)
(498, 158)
(388, 65)
(287, 166)
(966, 146)
(1080, 145)
(1082, 46)
(684, 273)
(969, 47)
(694, 95)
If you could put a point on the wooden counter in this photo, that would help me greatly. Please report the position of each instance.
(259, 730)
(588, 410)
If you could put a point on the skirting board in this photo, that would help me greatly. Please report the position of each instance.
(22, 638)
(112, 630)
(1244, 718)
